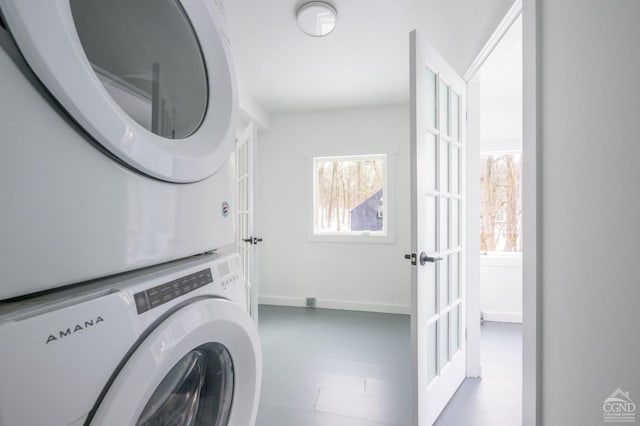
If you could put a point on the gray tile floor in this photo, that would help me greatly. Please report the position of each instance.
(496, 399)
(343, 368)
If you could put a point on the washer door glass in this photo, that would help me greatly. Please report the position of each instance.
(151, 81)
(198, 390)
(148, 58)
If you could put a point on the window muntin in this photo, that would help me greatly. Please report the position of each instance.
(349, 195)
(150, 63)
(500, 202)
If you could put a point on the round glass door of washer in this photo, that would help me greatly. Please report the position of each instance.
(151, 81)
(148, 58)
(198, 390)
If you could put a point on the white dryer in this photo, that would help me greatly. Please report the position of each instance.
(116, 124)
(167, 345)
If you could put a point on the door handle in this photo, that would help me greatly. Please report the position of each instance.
(424, 258)
(412, 258)
(252, 240)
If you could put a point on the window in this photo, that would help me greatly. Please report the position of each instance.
(500, 202)
(350, 195)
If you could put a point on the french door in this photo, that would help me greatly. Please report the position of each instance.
(246, 239)
(438, 105)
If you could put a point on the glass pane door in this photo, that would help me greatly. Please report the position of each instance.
(437, 152)
(447, 196)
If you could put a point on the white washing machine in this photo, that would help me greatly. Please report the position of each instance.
(117, 120)
(167, 345)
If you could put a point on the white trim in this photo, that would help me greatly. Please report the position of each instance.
(531, 226)
(514, 317)
(344, 305)
(510, 147)
(472, 219)
(512, 14)
(473, 292)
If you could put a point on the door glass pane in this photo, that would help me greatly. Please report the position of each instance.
(455, 223)
(455, 329)
(431, 225)
(197, 390)
(431, 158)
(444, 108)
(455, 116)
(150, 63)
(430, 81)
(444, 224)
(432, 352)
(455, 170)
(444, 166)
(455, 276)
(444, 340)
(443, 266)
(431, 292)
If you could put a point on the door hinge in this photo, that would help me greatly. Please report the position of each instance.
(412, 257)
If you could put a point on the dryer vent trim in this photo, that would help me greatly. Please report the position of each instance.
(73, 330)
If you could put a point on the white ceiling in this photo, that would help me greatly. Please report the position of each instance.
(363, 62)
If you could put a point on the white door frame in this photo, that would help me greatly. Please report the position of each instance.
(473, 198)
(531, 229)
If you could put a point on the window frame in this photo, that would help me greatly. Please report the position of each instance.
(387, 235)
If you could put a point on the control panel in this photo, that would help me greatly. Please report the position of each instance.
(163, 293)
(224, 273)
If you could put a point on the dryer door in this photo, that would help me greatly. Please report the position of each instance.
(199, 366)
(150, 80)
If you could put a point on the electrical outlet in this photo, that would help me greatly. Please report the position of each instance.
(311, 302)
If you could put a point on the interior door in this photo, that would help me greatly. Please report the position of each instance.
(246, 239)
(438, 99)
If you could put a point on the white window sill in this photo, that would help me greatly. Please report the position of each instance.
(355, 237)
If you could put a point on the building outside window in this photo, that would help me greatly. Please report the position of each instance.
(349, 195)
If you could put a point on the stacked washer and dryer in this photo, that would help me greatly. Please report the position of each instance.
(117, 306)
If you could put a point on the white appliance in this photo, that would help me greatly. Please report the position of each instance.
(117, 120)
(170, 344)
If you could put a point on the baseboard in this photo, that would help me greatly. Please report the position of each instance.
(515, 317)
(336, 304)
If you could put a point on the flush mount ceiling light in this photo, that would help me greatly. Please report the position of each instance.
(317, 18)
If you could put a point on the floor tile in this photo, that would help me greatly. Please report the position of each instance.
(340, 368)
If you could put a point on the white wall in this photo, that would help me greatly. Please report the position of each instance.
(501, 287)
(360, 276)
(589, 205)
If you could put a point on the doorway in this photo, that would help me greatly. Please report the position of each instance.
(495, 262)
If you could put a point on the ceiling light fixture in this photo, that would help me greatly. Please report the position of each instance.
(317, 18)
